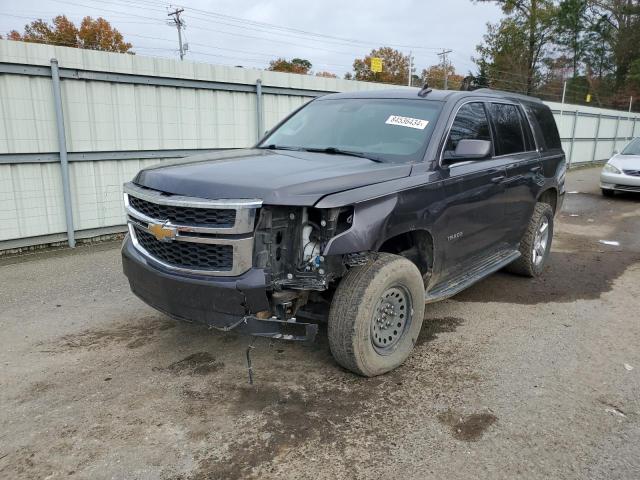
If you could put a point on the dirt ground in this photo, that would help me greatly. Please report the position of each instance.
(512, 378)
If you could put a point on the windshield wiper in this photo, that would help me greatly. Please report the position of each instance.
(338, 151)
(273, 146)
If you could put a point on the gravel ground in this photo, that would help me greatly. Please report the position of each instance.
(511, 378)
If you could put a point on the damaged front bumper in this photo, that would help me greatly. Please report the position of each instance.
(222, 303)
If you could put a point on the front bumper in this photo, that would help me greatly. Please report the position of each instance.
(220, 302)
(619, 181)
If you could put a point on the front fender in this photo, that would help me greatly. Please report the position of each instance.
(369, 220)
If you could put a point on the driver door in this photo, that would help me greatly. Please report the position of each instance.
(473, 195)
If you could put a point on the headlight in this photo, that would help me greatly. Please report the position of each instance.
(610, 168)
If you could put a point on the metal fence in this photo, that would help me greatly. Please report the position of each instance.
(592, 134)
(73, 130)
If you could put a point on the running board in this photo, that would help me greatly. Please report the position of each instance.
(480, 270)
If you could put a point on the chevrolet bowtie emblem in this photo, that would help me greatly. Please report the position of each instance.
(162, 232)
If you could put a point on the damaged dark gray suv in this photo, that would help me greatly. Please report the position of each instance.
(356, 210)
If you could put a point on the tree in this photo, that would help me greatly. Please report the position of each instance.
(434, 76)
(326, 75)
(572, 24)
(98, 35)
(296, 65)
(93, 34)
(395, 67)
(348, 76)
(504, 58)
(623, 19)
(533, 19)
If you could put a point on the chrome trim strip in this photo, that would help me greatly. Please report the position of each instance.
(244, 222)
(484, 102)
(154, 196)
(242, 256)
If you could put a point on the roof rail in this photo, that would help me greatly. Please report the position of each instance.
(521, 96)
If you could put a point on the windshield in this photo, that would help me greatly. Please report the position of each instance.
(633, 148)
(393, 130)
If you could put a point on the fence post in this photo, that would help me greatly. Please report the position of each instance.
(615, 137)
(259, 123)
(62, 146)
(573, 136)
(595, 139)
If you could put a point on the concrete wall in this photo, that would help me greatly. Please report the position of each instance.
(125, 112)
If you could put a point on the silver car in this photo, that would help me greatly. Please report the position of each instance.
(622, 172)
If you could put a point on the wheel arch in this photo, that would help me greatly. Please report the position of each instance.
(415, 245)
(550, 197)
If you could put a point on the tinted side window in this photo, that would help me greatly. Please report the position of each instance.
(547, 124)
(506, 120)
(470, 123)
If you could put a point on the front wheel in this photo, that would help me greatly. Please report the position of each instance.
(376, 315)
(536, 243)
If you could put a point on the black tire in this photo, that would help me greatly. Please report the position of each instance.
(606, 192)
(526, 265)
(355, 315)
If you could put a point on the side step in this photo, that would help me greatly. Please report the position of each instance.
(485, 267)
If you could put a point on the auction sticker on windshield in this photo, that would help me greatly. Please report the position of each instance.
(407, 122)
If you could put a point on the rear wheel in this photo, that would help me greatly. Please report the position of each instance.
(376, 315)
(608, 192)
(536, 243)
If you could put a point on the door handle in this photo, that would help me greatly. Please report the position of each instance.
(536, 169)
(498, 179)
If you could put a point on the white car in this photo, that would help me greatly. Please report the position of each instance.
(622, 172)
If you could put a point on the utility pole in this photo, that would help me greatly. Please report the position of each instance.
(410, 68)
(445, 66)
(177, 21)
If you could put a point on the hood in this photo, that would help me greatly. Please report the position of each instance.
(625, 162)
(276, 177)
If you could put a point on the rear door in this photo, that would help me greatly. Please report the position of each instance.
(515, 145)
(473, 195)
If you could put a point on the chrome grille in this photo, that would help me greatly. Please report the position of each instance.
(200, 256)
(633, 173)
(214, 217)
(192, 235)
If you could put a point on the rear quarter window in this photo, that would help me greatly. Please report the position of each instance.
(541, 114)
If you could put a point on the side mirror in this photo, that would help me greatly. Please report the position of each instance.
(615, 151)
(468, 149)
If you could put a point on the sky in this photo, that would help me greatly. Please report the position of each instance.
(330, 33)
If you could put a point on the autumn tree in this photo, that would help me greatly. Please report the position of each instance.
(296, 65)
(434, 76)
(93, 34)
(395, 67)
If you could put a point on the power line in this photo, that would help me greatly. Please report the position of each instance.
(296, 31)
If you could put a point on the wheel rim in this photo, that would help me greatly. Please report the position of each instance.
(540, 242)
(391, 319)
